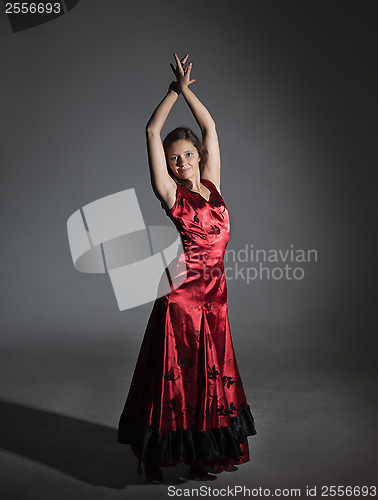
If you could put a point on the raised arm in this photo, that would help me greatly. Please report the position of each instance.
(205, 121)
(162, 183)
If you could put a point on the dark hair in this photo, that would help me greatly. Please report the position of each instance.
(186, 133)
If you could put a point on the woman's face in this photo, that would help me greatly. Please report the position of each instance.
(183, 159)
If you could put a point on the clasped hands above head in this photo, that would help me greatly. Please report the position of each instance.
(182, 74)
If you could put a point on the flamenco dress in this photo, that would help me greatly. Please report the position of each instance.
(186, 401)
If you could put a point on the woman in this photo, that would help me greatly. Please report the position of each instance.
(186, 401)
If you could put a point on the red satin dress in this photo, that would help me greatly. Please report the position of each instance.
(186, 401)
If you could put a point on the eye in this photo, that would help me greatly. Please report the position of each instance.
(189, 154)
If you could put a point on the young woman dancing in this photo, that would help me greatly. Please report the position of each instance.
(186, 401)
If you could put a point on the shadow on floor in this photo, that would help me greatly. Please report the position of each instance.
(86, 451)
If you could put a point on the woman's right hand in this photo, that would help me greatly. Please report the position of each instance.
(182, 72)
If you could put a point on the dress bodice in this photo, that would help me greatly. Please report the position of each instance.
(204, 225)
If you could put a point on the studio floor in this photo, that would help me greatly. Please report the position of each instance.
(61, 402)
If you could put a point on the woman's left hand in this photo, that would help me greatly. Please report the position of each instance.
(182, 72)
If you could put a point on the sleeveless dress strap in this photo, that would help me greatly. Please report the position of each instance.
(210, 184)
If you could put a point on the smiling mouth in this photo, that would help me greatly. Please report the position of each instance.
(185, 168)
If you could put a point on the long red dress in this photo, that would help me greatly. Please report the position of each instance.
(186, 401)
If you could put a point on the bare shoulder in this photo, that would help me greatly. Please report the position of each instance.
(168, 192)
(213, 181)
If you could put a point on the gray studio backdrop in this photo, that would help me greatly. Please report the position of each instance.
(290, 86)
